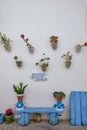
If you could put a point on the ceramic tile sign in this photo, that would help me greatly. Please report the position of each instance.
(38, 77)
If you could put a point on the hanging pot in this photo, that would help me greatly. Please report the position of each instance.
(19, 63)
(67, 64)
(78, 48)
(7, 47)
(54, 45)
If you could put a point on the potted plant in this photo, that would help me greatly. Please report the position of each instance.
(54, 41)
(78, 47)
(18, 61)
(9, 116)
(5, 42)
(59, 95)
(68, 59)
(19, 90)
(43, 63)
(26, 40)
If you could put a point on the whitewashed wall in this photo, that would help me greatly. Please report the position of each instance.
(38, 20)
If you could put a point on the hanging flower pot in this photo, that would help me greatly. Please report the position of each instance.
(26, 40)
(31, 49)
(54, 42)
(68, 59)
(5, 42)
(18, 62)
(7, 47)
(54, 45)
(78, 48)
(67, 64)
(43, 63)
(44, 67)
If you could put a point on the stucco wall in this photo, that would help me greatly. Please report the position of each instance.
(38, 20)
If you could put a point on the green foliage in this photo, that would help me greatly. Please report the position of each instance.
(59, 94)
(19, 89)
(16, 58)
(4, 39)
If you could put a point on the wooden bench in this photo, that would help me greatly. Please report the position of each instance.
(24, 115)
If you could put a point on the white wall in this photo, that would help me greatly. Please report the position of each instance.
(38, 20)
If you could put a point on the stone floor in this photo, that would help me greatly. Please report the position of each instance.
(43, 125)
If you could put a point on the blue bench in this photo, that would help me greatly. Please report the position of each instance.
(24, 115)
(78, 108)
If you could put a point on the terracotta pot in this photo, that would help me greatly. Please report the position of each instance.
(20, 97)
(59, 98)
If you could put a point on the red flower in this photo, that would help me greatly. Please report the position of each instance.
(9, 111)
(22, 36)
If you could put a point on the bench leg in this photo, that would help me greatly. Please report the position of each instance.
(24, 119)
(53, 118)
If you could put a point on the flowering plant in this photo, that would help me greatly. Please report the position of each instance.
(9, 112)
(30, 47)
(68, 59)
(43, 63)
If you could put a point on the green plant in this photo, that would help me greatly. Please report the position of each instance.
(18, 62)
(5, 41)
(57, 94)
(19, 89)
(26, 40)
(43, 63)
(68, 59)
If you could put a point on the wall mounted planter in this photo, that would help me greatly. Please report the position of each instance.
(26, 40)
(54, 42)
(5, 42)
(18, 62)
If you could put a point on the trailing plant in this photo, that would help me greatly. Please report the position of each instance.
(19, 89)
(26, 40)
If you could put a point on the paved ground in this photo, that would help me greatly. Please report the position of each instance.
(43, 125)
